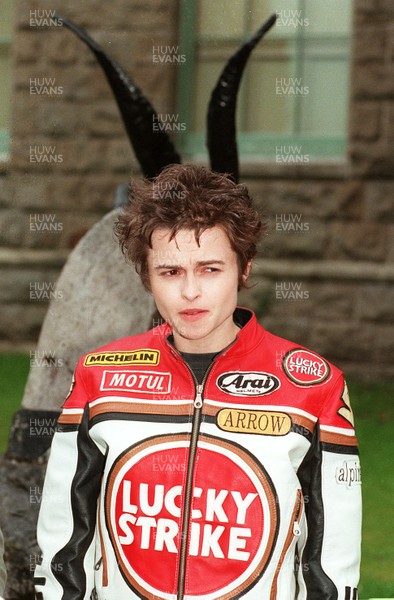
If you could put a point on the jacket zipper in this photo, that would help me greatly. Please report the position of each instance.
(293, 532)
(198, 403)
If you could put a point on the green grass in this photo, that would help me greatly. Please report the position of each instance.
(14, 369)
(373, 405)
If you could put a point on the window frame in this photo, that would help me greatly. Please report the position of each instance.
(252, 145)
(5, 138)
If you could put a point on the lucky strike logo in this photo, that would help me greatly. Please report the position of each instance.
(305, 368)
(242, 383)
(232, 526)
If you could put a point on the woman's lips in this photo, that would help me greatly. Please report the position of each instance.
(193, 314)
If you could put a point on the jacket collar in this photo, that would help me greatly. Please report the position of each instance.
(248, 338)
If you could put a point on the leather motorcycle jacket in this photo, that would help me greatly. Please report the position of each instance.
(159, 487)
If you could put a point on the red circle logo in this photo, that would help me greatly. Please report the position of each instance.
(304, 367)
(233, 518)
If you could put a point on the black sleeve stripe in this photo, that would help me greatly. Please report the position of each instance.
(339, 449)
(64, 428)
(349, 595)
(85, 490)
(318, 583)
(39, 580)
(149, 418)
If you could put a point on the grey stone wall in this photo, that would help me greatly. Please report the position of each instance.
(69, 149)
(325, 274)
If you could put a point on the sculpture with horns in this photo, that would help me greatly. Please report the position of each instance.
(154, 150)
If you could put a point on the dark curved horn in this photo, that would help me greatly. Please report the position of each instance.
(222, 143)
(153, 149)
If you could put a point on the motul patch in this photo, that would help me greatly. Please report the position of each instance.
(149, 382)
(233, 517)
(304, 367)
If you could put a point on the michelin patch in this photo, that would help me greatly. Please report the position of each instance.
(144, 356)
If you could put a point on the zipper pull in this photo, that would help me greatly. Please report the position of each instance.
(198, 398)
(296, 528)
(98, 564)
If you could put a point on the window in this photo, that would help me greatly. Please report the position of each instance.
(295, 86)
(5, 75)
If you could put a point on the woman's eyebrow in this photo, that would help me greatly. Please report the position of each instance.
(199, 263)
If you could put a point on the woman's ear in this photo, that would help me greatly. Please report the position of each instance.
(245, 274)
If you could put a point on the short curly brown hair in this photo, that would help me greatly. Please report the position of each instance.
(188, 197)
